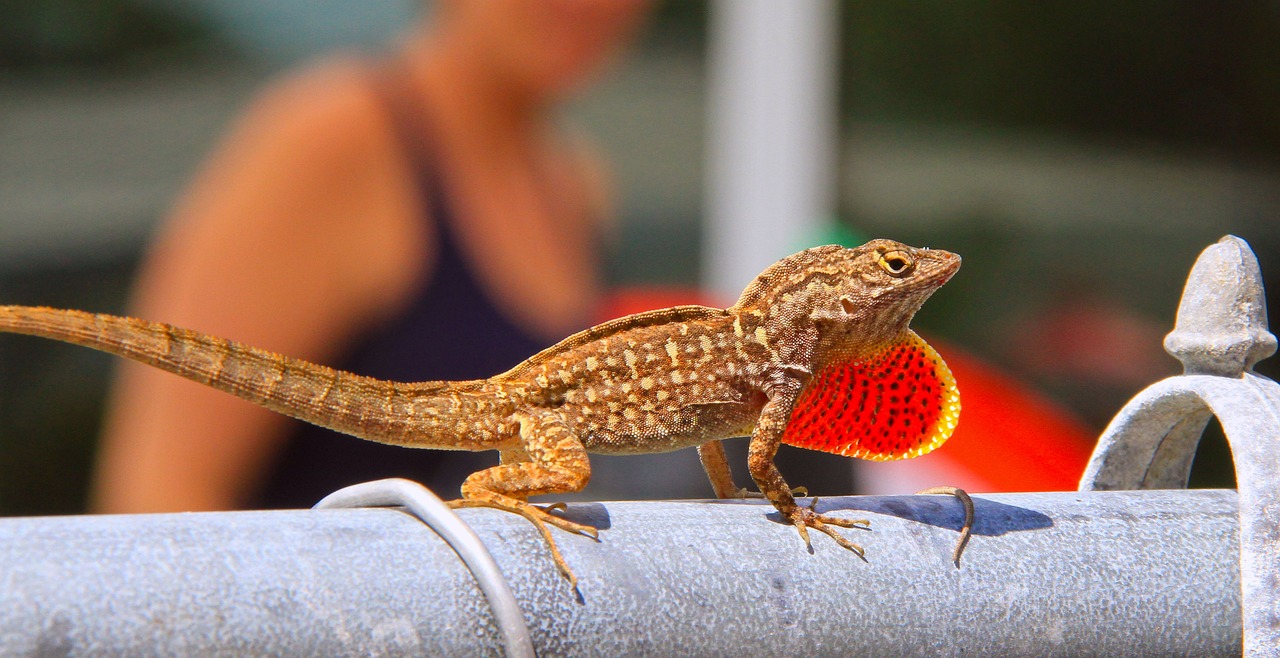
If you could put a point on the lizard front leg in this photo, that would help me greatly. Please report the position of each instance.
(764, 445)
(553, 460)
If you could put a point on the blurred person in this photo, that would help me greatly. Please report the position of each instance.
(420, 216)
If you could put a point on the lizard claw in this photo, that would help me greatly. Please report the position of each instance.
(565, 524)
(863, 524)
(804, 518)
(540, 517)
(544, 515)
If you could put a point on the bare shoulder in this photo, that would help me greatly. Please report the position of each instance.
(304, 191)
(328, 92)
(325, 116)
(347, 167)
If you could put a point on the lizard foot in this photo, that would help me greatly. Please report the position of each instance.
(540, 517)
(804, 518)
(967, 529)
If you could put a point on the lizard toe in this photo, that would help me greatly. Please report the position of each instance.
(805, 518)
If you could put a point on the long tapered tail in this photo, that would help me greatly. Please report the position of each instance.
(387, 412)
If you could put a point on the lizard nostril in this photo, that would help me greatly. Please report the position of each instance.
(848, 305)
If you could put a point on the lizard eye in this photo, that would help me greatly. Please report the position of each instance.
(896, 263)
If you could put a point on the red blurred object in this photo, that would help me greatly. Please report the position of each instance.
(630, 300)
(1010, 436)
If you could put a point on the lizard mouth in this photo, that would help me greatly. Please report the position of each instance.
(947, 265)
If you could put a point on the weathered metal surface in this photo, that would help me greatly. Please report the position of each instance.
(1220, 334)
(1068, 574)
(1222, 317)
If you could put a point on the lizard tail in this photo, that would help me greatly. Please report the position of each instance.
(368, 408)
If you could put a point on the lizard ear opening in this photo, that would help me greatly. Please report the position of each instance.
(848, 306)
(900, 402)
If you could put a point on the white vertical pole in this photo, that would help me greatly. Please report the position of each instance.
(773, 134)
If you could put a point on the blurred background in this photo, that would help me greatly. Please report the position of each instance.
(1079, 155)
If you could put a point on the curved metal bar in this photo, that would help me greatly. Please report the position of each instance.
(1221, 333)
(422, 503)
(1150, 442)
(1249, 411)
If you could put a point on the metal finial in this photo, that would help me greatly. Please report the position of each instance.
(1222, 318)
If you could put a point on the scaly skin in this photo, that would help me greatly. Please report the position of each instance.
(652, 382)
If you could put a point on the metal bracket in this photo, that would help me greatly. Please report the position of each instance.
(1221, 332)
(427, 507)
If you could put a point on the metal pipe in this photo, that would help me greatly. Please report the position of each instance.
(1080, 573)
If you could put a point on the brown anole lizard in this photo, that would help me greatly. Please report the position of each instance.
(816, 353)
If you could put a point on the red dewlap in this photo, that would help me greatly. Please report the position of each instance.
(899, 403)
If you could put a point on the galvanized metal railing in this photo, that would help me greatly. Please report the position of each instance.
(1097, 573)
(1220, 334)
(1157, 572)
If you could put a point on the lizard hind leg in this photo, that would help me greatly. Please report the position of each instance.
(553, 461)
(716, 464)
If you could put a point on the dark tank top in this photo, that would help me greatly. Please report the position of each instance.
(451, 330)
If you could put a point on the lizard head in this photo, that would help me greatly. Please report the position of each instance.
(862, 295)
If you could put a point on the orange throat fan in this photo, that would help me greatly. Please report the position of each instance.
(898, 403)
